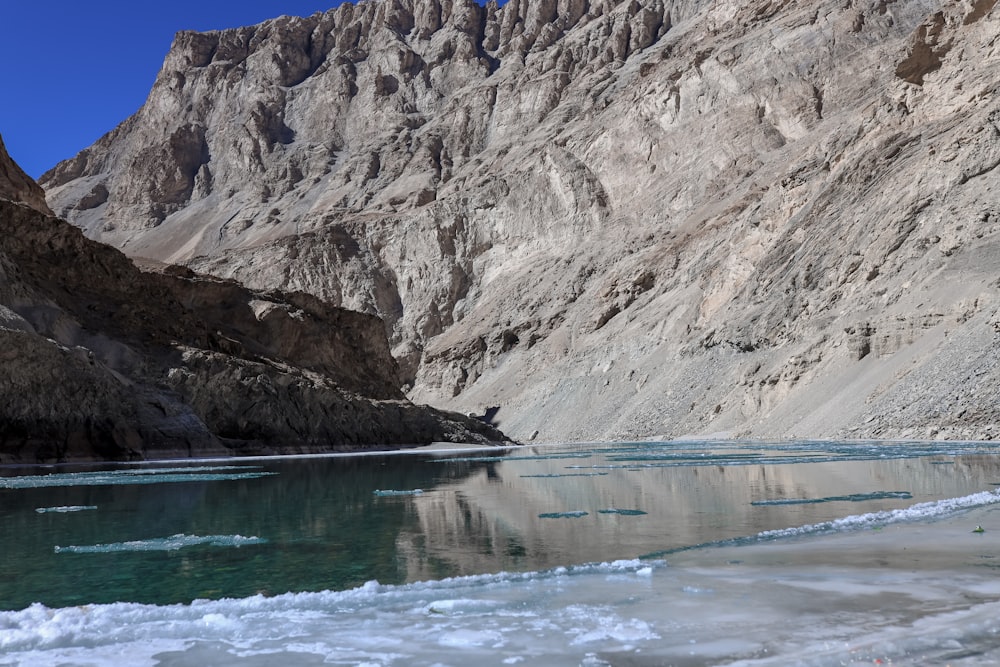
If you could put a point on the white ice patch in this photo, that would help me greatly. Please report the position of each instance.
(395, 492)
(606, 625)
(172, 543)
(469, 638)
(65, 509)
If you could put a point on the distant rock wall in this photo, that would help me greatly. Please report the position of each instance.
(611, 219)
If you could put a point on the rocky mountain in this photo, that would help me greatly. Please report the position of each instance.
(102, 360)
(611, 218)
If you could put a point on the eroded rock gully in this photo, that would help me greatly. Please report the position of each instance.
(612, 219)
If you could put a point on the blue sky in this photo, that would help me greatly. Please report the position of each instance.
(71, 70)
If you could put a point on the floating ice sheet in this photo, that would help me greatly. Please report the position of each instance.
(853, 498)
(65, 509)
(134, 476)
(568, 474)
(172, 543)
(537, 457)
(655, 461)
(394, 492)
(687, 457)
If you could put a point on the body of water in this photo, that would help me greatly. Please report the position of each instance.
(696, 553)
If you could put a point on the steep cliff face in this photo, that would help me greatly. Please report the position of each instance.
(104, 361)
(334, 123)
(613, 219)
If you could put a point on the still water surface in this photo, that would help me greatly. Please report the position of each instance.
(172, 533)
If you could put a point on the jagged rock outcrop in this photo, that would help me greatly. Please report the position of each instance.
(16, 185)
(612, 219)
(102, 360)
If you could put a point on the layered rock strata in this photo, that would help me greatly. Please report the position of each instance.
(611, 219)
(102, 360)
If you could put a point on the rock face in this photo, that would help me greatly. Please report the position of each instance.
(611, 219)
(104, 361)
(17, 185)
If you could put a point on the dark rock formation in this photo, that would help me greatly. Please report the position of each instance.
(102, 360)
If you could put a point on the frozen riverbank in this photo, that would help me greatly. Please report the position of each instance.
(913, 592)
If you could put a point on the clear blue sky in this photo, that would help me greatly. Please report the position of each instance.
(71, 70)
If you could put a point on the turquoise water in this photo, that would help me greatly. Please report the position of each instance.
(280, 526)
(173, 533)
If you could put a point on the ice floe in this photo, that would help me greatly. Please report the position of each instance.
(65, 509)
(852, 497)
(569, 474)
(133, 476)
(172, 543)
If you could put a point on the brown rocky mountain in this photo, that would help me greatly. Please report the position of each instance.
(102, 360)
(612, 218)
